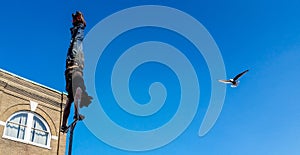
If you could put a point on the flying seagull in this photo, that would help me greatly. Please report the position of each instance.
(234, 82)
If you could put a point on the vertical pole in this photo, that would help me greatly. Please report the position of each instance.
(60, 115)
(71, 137)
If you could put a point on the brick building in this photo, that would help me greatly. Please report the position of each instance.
(30, 117)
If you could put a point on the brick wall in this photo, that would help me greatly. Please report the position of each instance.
(17, 94)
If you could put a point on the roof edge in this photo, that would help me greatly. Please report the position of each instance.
(35, 83)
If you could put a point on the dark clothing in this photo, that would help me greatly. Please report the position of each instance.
(75, 52)
(75, 61)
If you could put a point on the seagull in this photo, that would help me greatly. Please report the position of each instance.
(234, 82)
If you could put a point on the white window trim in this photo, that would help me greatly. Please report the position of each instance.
(33, 105)
(2, 123)
(48, 130)
(28, 128)
(54, 137)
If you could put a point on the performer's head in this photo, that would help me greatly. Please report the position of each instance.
(78, 18)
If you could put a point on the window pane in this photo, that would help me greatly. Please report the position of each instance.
(15, 127)
(39, 132)
(39, 137)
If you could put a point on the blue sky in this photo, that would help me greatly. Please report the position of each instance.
(259, 117)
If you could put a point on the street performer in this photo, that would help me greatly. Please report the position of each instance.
(74, 72)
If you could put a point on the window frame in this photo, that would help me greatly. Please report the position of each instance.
(28, 129)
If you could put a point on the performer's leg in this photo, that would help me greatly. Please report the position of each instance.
(66, 115)
(78, 82)
(70, 99)
(78, 88)
(77, 100)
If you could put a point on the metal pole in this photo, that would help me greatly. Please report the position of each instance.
(60, 116)
(71, 137)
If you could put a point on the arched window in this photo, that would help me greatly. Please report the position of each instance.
(29, 128)
(16, 126)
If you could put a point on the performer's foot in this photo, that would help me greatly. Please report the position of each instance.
(79, 117)
(64, 129)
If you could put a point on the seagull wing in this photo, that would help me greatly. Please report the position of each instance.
(239, 75)
(225, 81)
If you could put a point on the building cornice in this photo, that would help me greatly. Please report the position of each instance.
(30, 89)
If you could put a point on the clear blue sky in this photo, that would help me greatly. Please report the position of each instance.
(259, 117)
